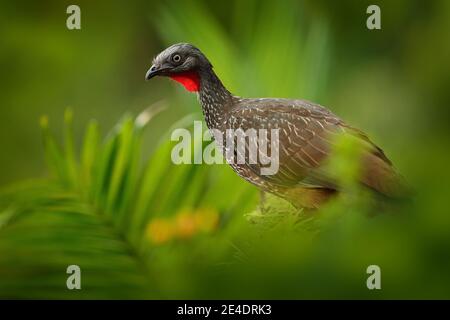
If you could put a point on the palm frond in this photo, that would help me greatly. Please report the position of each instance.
(94, 213)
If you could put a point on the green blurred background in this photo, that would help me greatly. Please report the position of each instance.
(392, 83)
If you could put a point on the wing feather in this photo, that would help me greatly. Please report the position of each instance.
(306, 132)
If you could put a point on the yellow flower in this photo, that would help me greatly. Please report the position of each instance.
(185, 224)
(160, 231)
(206, 219)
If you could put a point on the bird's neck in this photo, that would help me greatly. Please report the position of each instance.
(214, 98)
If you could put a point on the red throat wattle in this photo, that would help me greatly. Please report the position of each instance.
(190, 80)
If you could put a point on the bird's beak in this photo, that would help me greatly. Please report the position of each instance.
(153, 71)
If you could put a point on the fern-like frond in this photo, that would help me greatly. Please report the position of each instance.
(95, 210)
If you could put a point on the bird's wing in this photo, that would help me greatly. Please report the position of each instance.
(306, 135)
(304, 132)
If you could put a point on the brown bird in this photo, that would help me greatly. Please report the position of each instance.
(306, 133)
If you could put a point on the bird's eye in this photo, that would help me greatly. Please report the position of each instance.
(176, 58)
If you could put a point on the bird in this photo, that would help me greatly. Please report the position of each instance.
(306, 131)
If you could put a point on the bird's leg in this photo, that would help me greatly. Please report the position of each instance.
(262, 201)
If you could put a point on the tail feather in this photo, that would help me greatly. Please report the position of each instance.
(382, 177)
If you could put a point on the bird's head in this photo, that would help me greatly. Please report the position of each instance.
(183, 63)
